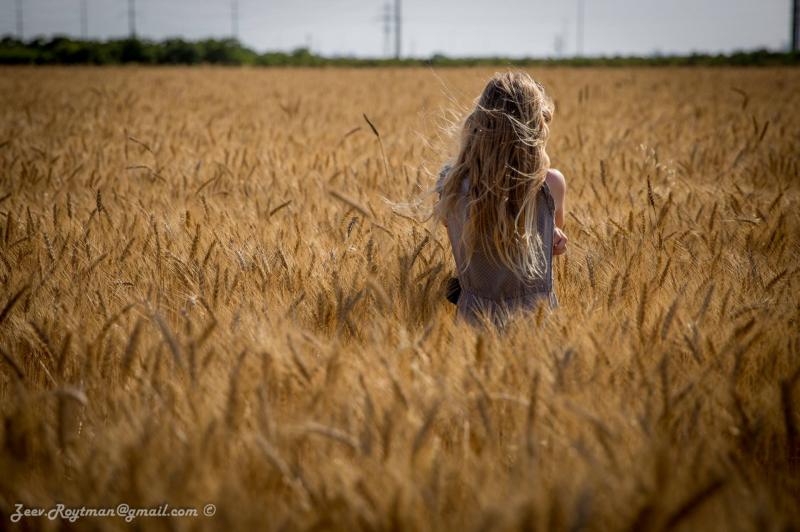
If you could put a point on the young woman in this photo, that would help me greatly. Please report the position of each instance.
(502, 204)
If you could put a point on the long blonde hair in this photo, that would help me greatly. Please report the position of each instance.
(502, 154)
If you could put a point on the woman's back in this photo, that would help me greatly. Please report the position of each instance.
(488, 286)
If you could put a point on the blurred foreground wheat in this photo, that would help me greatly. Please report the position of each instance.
(207, 296)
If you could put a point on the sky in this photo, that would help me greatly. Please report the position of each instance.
(513, 28)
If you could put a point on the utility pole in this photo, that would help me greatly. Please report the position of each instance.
(387, 29)
(560, 42)
(398, 28)
(20, 29)
(579, 29)
(132, 18)
(795, 25)
(84, 21)
(235, 19)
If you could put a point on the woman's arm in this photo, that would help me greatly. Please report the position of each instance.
(558, 189)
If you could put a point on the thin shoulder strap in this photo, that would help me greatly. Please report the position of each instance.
(442, 176)
(551, 202)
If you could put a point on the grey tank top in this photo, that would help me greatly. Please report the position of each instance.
(488, 287)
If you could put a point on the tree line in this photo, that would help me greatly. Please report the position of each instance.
(66, 51)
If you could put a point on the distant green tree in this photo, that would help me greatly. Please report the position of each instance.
(178, 52)
(225, 52)
(14, 52)
(134, 51)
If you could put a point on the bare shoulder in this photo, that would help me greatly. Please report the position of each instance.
(556, 182)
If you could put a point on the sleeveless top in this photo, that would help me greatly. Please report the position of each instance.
(488, 287)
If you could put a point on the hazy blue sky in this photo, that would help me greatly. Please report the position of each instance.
(453, 27)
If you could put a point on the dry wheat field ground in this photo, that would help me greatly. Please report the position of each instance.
(218, 286)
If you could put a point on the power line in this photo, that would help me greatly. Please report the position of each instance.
(398, 27)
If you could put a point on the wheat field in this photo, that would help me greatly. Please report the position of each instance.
(219, 286)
